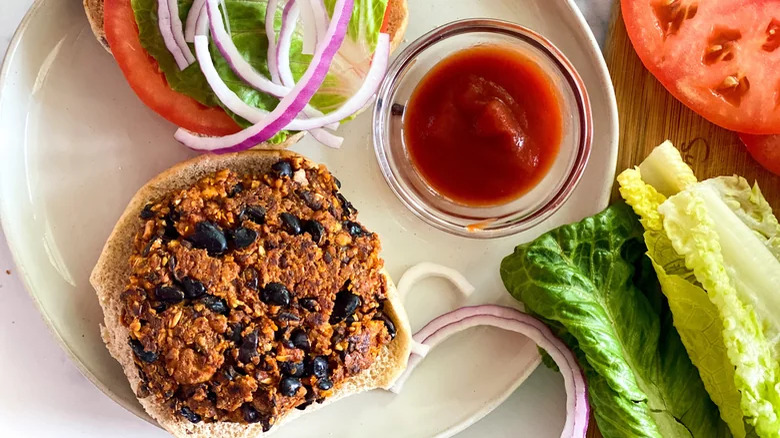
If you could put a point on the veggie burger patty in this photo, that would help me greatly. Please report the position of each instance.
(253, 294)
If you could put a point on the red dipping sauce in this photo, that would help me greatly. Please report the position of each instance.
(484, 126)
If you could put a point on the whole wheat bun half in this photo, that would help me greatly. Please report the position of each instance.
(112, 272)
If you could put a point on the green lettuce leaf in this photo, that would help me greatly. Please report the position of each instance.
(189, 81)
(695, 317)
(247, 24)
(715, 248)
(742, 278)
(592, 284)
(751, 208)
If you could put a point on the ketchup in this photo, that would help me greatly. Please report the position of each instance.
(484, 126)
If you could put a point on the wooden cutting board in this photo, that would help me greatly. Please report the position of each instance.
(649, 115)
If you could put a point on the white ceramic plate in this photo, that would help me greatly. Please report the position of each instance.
(77, 143)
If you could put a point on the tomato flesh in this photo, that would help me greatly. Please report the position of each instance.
(148, 82)
(720, 58)
(765, 149)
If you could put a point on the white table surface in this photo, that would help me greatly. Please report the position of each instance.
(42, 394)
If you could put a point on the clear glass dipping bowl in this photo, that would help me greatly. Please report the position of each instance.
(407, 183)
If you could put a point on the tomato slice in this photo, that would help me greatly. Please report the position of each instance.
(721, 58)
(145, 78)
(765, 149)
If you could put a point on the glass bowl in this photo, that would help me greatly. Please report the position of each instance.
(544, 199)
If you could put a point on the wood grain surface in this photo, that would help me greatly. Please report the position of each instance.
(649, 115)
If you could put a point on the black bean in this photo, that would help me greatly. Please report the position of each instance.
(276, 294)
(351, 319)
(287, 316)
(300, 339)
(325, 384)
(147, 212)
(381, 316)
(169, 294)
(346, 206)
(294, 369)
(315, 229)
(250, 414)
(216, 304)
(236, 189)
(235, 333)
(309, 304)
(354, 229)
(187, 413)
(138, 349)
(397, 109)
(248, 348)
(210, 237)
(291, 223)
(283, 169)
(170, 232)
(211, 396)
(311, 200)
(289, 386)
(345, 305)
(254, 213)
(193, 289)
(243, 237)
(160, 308)
(319, 367)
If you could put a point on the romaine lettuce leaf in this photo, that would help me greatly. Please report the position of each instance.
(592, 283)
(695, 317)
(741, 277)
(715, 248)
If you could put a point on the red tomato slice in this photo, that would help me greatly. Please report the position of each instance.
(765, 149)
(145, 78)
(721, 58)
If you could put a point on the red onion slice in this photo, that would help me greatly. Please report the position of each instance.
(190, 26)
(320, 17)
(441, 328)
(225, 14)
(290, 17)
(309, 27)
(292, 104)
(270, 31)
(326, 138)
(246, 72)
(237, 63)
(424, 270)
(165, 23)
(289, 20)
(178, 31)
(228, 97)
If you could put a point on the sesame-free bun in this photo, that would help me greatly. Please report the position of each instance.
(111, 276)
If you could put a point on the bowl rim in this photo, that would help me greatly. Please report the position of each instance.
(482, 228)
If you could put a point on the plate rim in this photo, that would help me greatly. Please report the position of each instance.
(594, 53)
